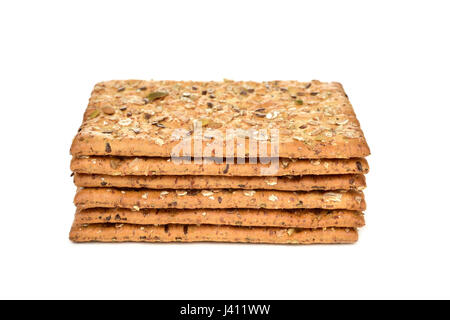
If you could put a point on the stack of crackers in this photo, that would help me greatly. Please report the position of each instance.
(170, 161)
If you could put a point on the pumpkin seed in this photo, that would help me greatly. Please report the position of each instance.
(156, 95)
(94, 114)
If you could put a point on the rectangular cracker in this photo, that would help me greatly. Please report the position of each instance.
(128, 118)
(115, 166)
(205, 233)
(217, 199)
(287, 183)
(237, 217)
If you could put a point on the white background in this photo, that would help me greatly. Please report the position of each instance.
(391, 56)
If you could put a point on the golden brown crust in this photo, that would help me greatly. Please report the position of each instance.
(217, 199)
(237, 217)
(125, 118)
(289, 183)
(205, 233)
(115, 166)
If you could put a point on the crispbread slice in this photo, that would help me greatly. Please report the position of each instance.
(233, 217)
(287, 183)
(217, 199)
(206, 233)
(144, 118)
(115, 166)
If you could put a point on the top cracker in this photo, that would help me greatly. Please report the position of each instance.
(139, 118)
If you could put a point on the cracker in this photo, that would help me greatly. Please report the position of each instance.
(141, 118)
(217, 199)
(115, 166)
(188, 233)
(288, 183)
(236, 217)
